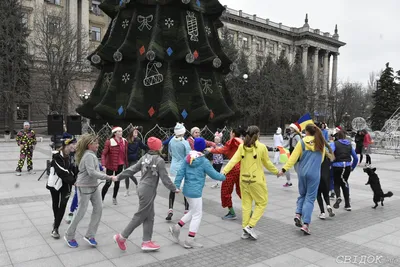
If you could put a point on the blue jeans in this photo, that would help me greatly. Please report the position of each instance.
(308, 189)
(74, 204)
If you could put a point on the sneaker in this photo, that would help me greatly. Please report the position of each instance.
(91, 241)
(169, 216)
(190, 243)
(69, 218)
(330, 211)
(31, 172)
(287, 185)
(127, 193)
(120, 241)
(71, 243)
(245, 235)
(337, 203)
(55, 234)
(297, 221)
(305, 230)
(250, 231)
(18, 173)
(229, 216)
(332, 195)
(322, 216)
(347, 208)
(175, 231)
(115, 201)
(215, 185)
(150, 246)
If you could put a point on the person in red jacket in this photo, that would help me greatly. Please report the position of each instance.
(233, 177)
(113, 159)
(195, 133)
(367, 147)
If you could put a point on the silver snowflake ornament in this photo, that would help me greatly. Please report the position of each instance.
(183, 80)
(125, 23)
(126, 77)
(169, 22)
(208, 30)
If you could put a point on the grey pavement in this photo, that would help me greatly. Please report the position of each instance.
(349, 238)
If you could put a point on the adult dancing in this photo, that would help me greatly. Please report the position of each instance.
(233, 176)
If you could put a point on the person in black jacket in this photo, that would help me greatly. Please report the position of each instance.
(135, 144)
(359, 140)
(67, 172)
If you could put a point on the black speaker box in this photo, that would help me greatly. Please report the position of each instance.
(55, 124)
(74, 124)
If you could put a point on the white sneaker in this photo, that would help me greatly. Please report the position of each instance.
(18, 173)
(322, 216)
(190, 243)
(245, 235)
(215, 185)
(115, 201)
(127, 193)
(175, 231)
(249, 230)
(69, 218)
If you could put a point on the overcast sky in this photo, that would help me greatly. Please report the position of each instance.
(370, 29)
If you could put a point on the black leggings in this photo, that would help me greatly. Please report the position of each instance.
(60, 200)
(368, 159)
(324, 185)
(172, 200)
(341, 177)
(131, 178)
(361, 158)
(108, 183)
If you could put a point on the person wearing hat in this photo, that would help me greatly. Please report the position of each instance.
(26, 140)
(294, 138)
(178, 149)
(152, 167)
(113, 159)
(194, 170)
(195, 133)
(67, 172)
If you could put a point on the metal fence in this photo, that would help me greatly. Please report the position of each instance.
(161, 133)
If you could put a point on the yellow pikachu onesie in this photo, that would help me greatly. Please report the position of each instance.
(252, 180)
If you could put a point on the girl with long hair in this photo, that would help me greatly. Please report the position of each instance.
(113, 160)
(252, 156)
(311, 152)
(87, 184)
(67, 172)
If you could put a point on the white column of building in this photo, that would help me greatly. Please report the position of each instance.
(334, 71)
(326, 75)
(316, 64)
(305, 57)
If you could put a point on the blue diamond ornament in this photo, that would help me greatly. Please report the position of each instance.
(184, 114)
(170, 51)
(120, 110)
(198, 3)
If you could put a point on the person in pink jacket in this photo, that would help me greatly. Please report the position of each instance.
(367, 147)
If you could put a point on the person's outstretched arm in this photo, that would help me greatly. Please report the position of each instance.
(268, 163)
(234, 160)
(294, 157)
(210, 171)
(163, 174)
(130, 172)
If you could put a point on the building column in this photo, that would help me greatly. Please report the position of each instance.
(240, 40)
(315, 70)
(326, 75)
(334, 71)
(305, 57)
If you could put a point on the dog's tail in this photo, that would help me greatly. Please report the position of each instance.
(388, 194)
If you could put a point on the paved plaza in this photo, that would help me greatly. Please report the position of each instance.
(361, 236)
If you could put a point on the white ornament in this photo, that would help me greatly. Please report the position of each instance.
(144, 22)
(192, 28)
(117, 56)
(169, 22)
(126, 77)
(206, 83)
(95, 59)
(183, 80)
(150, 55)
(186, 1)
(190, 58)
(153, 76)
(125, 23)
(208, 30)
(217, 62)
(106, 80)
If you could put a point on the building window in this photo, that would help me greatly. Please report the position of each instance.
(259, 46)
(259, 62)
(54, 2)
(95, 34)
(53, 24)
(245, 42)
(95, 9)
(23, 112)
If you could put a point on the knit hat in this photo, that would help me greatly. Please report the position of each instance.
(199, 144)
(116, 129)
(68, 139)
(194, 129)
(338, 129)
(179, 129)
(27, 123)
(218, 134)
(279, 130)
(295, 126)
(154, 143)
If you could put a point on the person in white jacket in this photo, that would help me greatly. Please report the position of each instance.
(278, 141)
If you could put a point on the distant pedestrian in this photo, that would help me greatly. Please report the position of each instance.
(359, 140)
(218, 159)
(367, 147)
(26, 140)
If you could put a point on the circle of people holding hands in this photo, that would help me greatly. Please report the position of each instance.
(323, 170)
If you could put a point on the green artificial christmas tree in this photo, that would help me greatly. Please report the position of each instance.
(161, 62)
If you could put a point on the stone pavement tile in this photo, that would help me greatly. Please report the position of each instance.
(47, 212)
(393, 222)
(226, 237)
(391, 240)
(210, 230)
(171, 251)
(10, 207)
(103, 229)
(229, 225)
(137, 259)
(260, 264)
(206, 242)
(106, 263)
(331, 262)
(15, 225)
(10, 211)
(275, 215)
(397, 233)
(4, 259)
(31, 253)
(44, 262)
(59, 246)
(384, 247)
(308, 255)
(34, 206)
(81, 258)
(212, 218)
(375, 231)
(19, 233)
(286, 260)
(356, 239)
(26, 241)
(2, 247)
(112, 251)
(42, 220)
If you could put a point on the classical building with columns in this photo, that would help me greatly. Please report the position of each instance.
(261, 37)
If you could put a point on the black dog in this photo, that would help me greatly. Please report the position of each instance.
(373, 181)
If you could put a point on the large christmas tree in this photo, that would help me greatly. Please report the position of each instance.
(161, 62)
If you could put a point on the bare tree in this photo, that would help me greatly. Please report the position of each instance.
(60, 51)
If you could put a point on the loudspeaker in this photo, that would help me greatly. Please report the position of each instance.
(74, 124)
(55, 125)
